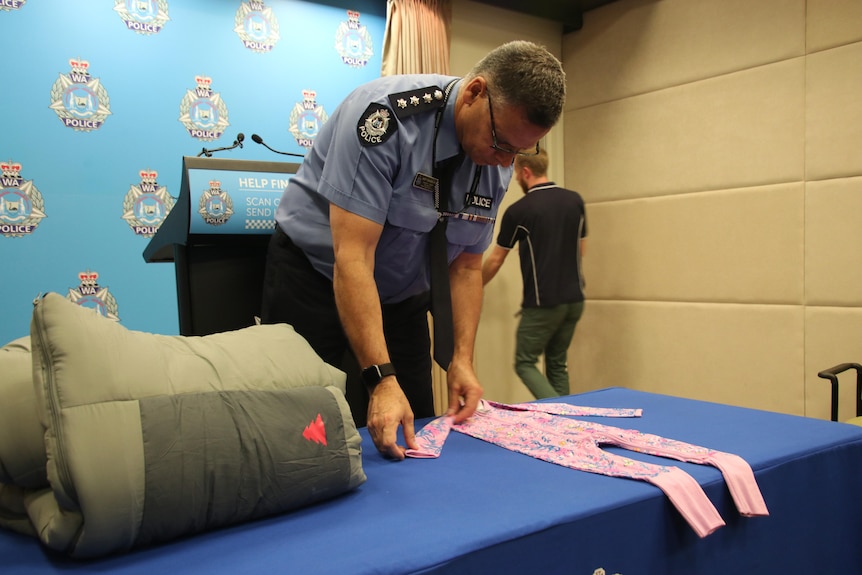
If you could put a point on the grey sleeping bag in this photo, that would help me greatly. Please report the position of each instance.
(136, 438)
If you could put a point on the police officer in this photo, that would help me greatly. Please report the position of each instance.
(348, 264)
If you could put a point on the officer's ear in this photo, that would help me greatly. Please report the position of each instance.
(474, 89)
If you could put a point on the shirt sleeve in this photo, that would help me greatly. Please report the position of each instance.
(507, 237)
(356, 177)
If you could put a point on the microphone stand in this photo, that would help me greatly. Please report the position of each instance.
(236, 143)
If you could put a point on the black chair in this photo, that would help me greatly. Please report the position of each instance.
(832, 375)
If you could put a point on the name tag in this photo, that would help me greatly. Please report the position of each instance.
(425, 182)
(476, 201)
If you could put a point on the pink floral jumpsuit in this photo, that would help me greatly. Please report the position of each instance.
(535, 429)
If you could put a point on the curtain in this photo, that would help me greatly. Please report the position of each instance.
(416, 40)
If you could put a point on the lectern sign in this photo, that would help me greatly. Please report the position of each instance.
(234, 202)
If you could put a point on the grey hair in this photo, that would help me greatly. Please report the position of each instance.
(525, 75)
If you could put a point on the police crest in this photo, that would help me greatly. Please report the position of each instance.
(306, 119)
(256, 26)
(9, 5)
(21, 204)
(147, 205)
(80, 101)
(91, 295)
(216, 206)
(353, 42)
(143, 16)
(376, 125)
(203, 112)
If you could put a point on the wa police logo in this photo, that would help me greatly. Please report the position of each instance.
(147, 205)
(203, 112)
(9, 5)
(21, 204)
(143, 16)
(256, 26)
(353, 42)
(89, 294)
(376, 125)
(80, 101)
(306, 119)
(215, 206)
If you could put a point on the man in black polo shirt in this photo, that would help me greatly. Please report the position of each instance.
(550, 224)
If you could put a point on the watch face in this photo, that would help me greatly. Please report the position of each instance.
(372, 375)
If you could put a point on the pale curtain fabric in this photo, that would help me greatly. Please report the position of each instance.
(416, 40)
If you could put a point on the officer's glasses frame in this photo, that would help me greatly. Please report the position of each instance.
(500, 148)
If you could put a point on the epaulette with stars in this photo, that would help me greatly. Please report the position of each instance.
(416, 101)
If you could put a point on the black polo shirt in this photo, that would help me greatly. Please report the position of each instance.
(549, 222)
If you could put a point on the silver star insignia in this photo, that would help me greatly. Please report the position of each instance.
(402, 103)
(414, 100)
(427, 98)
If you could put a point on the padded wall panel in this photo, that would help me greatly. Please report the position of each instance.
(832, 23)
(738, 130)
(745, 355)
(732, 246)
(496, 335)
(833, 237)
(476, 30)
(833, 335)
(633, 47)
(834, 113)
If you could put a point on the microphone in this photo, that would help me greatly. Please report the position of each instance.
(236, 144)
(258, 140)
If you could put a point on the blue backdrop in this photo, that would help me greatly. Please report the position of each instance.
(102, 99)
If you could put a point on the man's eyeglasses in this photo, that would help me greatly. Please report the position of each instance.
(500, 148)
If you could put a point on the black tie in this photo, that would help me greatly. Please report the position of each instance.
(441, 299)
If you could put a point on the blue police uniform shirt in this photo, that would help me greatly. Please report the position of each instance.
(366, 159)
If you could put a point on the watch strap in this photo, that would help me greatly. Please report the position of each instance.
(372, 375)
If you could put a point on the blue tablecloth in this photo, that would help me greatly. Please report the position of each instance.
(482, 509)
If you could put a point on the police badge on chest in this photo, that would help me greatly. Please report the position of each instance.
(477, 201)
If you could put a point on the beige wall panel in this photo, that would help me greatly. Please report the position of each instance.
(476, 30)
(731, 246)
(495, 340)
(833, 242)
(832, 23)
(495, 364)
(834, 113)
(633, 47)
(833, 335)
(745, 355)
(743, 129)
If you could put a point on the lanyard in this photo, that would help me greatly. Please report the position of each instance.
(435, 168)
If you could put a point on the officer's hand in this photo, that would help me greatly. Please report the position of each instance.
(465, 391)
(387, 409)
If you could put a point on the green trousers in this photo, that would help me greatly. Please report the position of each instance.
(548, 331)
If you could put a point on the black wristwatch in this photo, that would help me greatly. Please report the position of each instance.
(371, 376)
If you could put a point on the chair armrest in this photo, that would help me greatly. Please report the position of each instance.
(832, 375)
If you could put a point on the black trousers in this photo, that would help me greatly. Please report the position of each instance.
(297, 294)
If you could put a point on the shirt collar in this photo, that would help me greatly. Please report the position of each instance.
(447, 140)
(548, 184)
